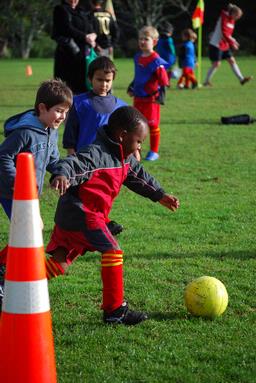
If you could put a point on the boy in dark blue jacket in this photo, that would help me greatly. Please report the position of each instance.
(33, 131)
(165, 46)
(91, 110)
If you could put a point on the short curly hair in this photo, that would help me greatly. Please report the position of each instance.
(125, 118)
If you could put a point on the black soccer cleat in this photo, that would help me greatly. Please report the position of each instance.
(114, 227)
(246, 79)
(122, 315)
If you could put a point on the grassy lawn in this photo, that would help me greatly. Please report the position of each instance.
(211, 168)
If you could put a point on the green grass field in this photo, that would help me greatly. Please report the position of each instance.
(211, 168)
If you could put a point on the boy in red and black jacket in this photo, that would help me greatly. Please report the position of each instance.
(96, 175)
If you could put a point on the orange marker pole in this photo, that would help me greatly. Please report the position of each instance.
(26, 339)
(29, 71)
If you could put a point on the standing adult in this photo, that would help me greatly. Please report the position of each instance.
(106, 28)
(222, 43)
(74, 35)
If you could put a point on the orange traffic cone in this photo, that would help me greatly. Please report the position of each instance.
(26, 340)
(29, 71)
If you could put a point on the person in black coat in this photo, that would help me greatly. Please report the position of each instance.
(73, 32)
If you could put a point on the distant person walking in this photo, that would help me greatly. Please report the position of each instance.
(74, 35)
(222, 43)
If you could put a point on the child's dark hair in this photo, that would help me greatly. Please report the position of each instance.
(53, 92)
(165, 28)
(102, 63)
(125, 118)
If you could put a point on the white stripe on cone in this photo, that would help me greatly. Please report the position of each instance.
(25, 230)
(26, 297)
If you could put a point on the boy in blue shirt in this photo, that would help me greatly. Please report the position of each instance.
(91, 110)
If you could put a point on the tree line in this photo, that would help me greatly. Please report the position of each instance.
(24, 25)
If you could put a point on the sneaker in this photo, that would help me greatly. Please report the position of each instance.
(194, 85)
(152, 156)
(207, 83)
(115, 228)
(122, 315)
(245, 80)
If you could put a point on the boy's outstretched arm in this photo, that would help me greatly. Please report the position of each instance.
(170, 202)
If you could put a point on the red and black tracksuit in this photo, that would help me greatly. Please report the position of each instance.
(97, 174)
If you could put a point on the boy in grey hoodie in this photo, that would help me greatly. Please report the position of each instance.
(33, 131)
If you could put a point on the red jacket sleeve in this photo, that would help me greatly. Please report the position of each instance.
(160, 78)
(227, 28)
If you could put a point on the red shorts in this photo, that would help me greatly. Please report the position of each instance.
(150, 110)
(188, 70)
(77, 242)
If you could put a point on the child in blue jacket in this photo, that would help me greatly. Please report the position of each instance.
(187, 60)
(165, 46)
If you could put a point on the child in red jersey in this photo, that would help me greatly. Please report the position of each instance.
(148, 85)
(96, 174)
(222, 43)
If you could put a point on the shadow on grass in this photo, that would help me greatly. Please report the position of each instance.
(243, 255)
(192, 122)
(158, 316)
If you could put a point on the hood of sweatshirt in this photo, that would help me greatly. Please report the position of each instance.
(27, 119)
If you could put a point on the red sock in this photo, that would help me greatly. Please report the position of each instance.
(53, 269)
(154, 138)
(112, 279)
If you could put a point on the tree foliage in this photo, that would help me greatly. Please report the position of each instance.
(150, 12)
(22, 22)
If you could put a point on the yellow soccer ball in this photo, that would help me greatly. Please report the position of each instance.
(206, 297)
